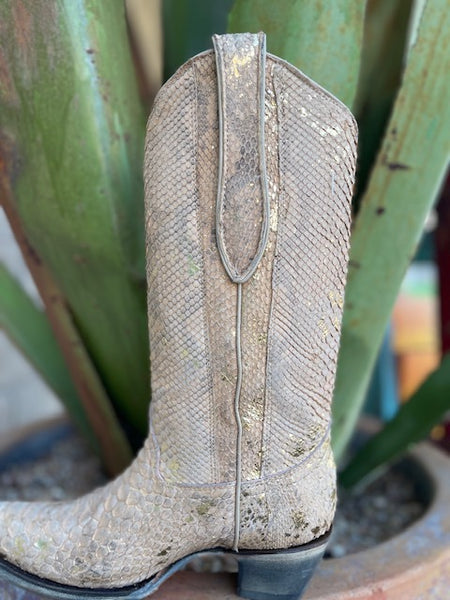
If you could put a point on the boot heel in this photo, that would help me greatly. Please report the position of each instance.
(278, 575)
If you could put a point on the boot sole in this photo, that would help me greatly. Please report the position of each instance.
(262, 575)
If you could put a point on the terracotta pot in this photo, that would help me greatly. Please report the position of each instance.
(414, 565)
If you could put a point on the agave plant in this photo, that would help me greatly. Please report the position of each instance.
(72, 118)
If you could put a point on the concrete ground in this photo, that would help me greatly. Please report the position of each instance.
(24, 398)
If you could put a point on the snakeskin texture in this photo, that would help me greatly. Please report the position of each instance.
(309, 269)
(179, 494)
(120, 534)
(242, 195)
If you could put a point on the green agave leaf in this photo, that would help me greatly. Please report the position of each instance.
(321, 39)
(402, 187)
(411, 424)
(383, 52)
(113, 447)
(71, 137)
(28, 328)
(188, 27)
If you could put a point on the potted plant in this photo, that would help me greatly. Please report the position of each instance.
(86, 253)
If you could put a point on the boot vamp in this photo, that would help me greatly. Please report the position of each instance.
(120, 534)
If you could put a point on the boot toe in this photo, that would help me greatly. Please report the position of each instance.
(41, 539)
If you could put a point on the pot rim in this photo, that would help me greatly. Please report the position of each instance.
(410, 556)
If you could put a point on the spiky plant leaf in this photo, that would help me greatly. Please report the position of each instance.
(321, 39)
(28, 328)
(71, 141)
(412, 423)
(402, 187)
(188, 27)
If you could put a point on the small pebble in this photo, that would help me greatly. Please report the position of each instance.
(337, 551)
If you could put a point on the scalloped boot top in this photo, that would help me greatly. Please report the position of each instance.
(249, 172)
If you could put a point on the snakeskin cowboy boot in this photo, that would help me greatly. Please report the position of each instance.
(249, 171)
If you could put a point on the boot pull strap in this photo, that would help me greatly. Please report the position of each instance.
(242, 208)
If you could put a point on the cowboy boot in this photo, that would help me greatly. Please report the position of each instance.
(249, 171)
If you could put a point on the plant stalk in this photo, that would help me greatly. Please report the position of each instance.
(115, 450)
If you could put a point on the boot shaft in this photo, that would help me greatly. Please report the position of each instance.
(283, 210)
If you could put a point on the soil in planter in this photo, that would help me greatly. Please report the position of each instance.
(368, 516)
(68, 471)
(364, 518)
